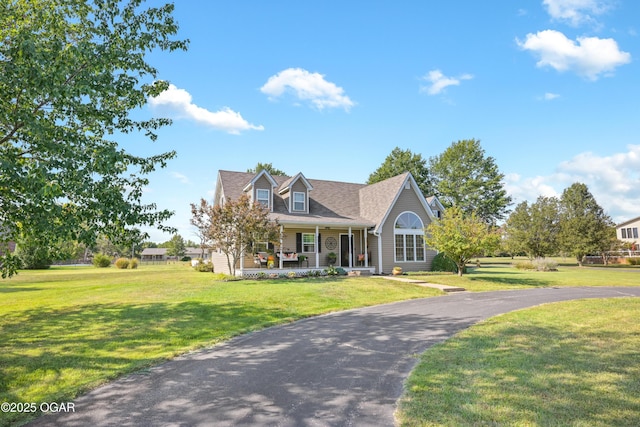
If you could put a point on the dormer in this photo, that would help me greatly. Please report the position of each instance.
(261, 188)
(436, 207)
(295, 193)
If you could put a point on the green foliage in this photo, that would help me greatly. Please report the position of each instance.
(633, 260)
(268, 167)
(401, 161)
(461, 237)
(443, 263)
(534, 229)
(464, 177)
(291, 275)
(33, 254)
(204, 267)
(584, 227)
(71, 75)
(122, 263)
(101, 260)
(176, 246)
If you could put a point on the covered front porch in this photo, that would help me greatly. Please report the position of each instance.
(304, 248)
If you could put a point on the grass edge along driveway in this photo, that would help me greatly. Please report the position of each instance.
(570, 363)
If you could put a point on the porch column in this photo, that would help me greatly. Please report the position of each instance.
(281, 243)
(350, 250)
(379, 251)
(317, 248)
(366, 248)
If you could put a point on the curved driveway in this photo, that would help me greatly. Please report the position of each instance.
(340, 369)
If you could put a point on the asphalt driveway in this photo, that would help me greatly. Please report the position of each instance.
(340, 369)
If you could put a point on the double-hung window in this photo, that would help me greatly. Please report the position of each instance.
(308, 242)
(299, 204)
(409, 238)
(262, 196)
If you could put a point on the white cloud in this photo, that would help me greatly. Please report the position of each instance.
(589, 57)
(549, 96)
(178, 102)
(180, 177)
(306, 86)
(439, 81)
(576, 12)
(613, 180)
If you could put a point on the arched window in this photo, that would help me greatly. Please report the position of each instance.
(409, 238)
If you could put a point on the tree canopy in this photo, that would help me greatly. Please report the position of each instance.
(71, 73)
(535, 228)
(268, 167)
(584, 226)
(400, 161)
(234, 226)
(463, 176)
(461, 236)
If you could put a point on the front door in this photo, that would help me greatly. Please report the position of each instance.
(344, 249)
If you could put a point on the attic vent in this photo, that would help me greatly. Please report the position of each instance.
(407, 186)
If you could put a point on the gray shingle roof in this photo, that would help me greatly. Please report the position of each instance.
(331, 202)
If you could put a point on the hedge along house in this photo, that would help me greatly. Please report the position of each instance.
(370, 228)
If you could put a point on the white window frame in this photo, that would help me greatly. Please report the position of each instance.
(412, 236)
(303, 201)
(261, 200)
(309, 246)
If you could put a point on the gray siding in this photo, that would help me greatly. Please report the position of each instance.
(407, 201)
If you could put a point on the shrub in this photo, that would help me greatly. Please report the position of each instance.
(341, 271)
(633, 260)
(101, 260)
(539, 264)
(122, 263)
(261, 275)
(443, 263)
(291, 275)
(133, 263)
(331, 271)
(524, 265)
(33, 255)
(185, 258)
(204, 267)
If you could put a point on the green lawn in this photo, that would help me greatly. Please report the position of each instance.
(69, 329)
(498, 277)
(565, 364)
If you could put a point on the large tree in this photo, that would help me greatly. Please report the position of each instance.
(534, 228)
(234, 226)
(584, 226)
(400, 161)
(463, 176)
(71, 74)
(461, 236)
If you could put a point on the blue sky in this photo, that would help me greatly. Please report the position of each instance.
(551, 89)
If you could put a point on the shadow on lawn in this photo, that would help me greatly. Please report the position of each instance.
(514, 278)
(528, 374)
(69, 351)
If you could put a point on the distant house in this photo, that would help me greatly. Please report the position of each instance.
(629, 232)
(367, 227)
(160, 254)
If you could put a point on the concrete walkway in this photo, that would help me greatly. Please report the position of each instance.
(419, 282)
(341, 369)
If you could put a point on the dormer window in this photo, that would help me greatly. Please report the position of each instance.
(262, 197)
(299, 200)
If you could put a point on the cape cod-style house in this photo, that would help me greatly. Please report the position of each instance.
(370, 228)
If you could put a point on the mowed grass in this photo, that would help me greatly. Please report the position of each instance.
(500, 277)
(564, 364)
(69, 329)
